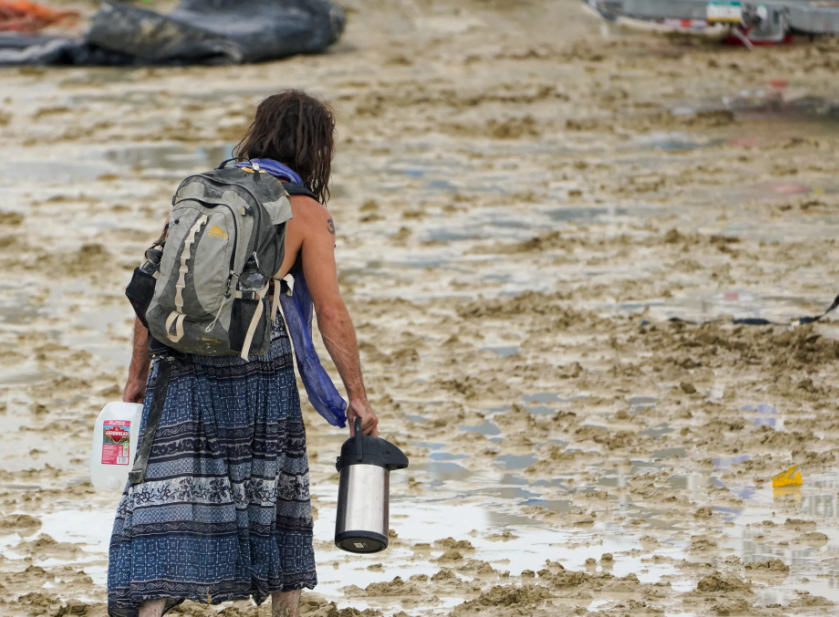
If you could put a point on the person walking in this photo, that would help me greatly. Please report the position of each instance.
(223, 511)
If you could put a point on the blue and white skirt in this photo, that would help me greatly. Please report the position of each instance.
(224, 511)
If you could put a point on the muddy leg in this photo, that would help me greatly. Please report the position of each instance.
(152, 608)
(285, 604)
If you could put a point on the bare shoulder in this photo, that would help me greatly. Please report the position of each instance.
(311, 214)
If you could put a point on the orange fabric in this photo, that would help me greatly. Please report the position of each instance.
(29, 17)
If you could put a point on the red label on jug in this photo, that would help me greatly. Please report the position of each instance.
(116, 440)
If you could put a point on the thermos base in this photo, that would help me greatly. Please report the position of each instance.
(361, 541)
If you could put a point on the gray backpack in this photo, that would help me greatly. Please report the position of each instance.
(225, 245)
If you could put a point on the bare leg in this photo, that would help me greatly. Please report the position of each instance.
(152, 608)
(285, 604)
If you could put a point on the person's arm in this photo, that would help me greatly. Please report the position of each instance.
(138, 370)
(334, 323)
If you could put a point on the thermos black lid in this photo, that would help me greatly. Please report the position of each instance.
(367, 450)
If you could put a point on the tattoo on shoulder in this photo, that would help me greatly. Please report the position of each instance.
(330, 225)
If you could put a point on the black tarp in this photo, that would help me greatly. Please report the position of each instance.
(195, 32)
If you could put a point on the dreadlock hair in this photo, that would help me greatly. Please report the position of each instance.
(298, 130)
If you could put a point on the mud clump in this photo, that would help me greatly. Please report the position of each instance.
(814, 538)
(732, 607)
(799, 524)
(661, 120)
(444, 575)
(565, 579)
(717, 583)
(806, 347)
(772, 566)
(309, 607)
(396, 587)
(513, 128)
(750, 345)
(504, 596)
(549, 241)
(528, 303)
(701, 544)
(19, 521)
(88, 258)
(687, 387)
(805, 599)
(451, 543)
(74, 607)
(11, 219)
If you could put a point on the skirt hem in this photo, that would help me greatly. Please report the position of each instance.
(131, 608)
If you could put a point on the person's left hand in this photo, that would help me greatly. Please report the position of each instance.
(360, 408)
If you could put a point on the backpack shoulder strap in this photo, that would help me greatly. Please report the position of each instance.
(292, 188)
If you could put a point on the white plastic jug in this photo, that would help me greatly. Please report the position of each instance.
(115, 441)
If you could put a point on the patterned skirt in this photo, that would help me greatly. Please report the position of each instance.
(224, 511)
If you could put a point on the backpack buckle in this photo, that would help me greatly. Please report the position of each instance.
(230, 283)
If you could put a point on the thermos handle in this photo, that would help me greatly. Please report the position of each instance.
(359, 453)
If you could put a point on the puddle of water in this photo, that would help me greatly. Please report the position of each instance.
(174, 159)
(429, 446)
(671, 141)
(640, 403)
(690, 481)
(58, 172)
(730, 461)
(490, 510)
(16, 309)
(557, 505)
(93, 326)
(767, 415)
(486, 428)
(657, 432)
(168, 160)
(444, 471)
(25, 377)
(446, 456)
(816, 500)
(516, 493)
(531, 546)
(544, 403)
(515, 461)
(542, 397)
(503, 352)
(666, 453)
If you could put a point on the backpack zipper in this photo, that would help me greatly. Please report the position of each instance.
(247, 190)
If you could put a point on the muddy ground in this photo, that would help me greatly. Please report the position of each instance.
(523, 199)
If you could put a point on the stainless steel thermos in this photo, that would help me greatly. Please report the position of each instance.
(364, 490)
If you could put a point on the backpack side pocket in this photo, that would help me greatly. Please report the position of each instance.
(140, 292)
(250, 325)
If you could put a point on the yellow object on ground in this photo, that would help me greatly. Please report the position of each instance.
(791, 477)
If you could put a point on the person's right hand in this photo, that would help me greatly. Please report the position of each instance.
(369, 421)
(135, 391)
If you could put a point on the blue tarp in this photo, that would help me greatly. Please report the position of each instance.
(195, 32)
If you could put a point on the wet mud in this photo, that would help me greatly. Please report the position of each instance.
(523, 199)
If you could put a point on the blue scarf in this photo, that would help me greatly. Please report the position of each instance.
(275, 168)
(298, 310)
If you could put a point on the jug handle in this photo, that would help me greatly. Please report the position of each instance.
(359, 453)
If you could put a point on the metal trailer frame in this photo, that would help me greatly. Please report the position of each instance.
(766, 20)
(813, 17)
